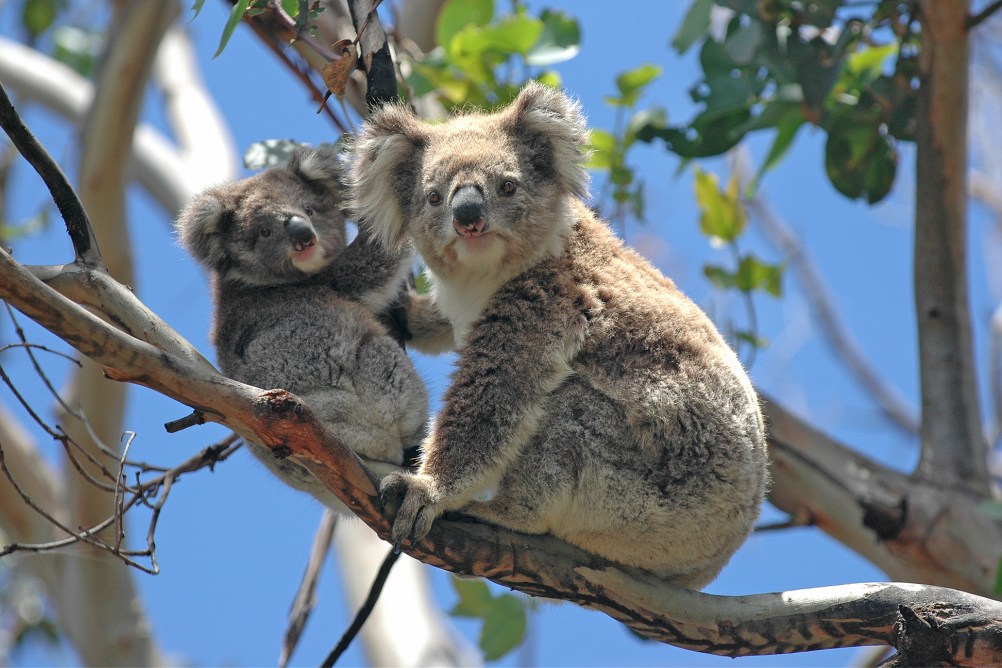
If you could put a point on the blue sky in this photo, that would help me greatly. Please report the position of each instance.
(232, 544)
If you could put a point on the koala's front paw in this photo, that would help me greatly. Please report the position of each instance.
(411, 501)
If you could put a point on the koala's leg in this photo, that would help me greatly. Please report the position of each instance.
(396, 397)
(586, 478)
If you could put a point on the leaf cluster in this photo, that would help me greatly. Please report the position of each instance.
(779, 64)
(483, 58)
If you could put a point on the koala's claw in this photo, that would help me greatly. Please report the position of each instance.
(415, 511)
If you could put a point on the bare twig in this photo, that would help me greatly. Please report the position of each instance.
(363, 612)
(975, 19)
(305, 600)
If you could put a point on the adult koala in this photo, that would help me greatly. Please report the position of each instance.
(295, 309)
(592, 399)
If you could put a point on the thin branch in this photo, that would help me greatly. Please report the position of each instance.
(305, 600)
(975, 19)
(363, 612)
(77, 224)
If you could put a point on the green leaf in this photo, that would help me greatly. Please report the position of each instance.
(786, 132)
(632, 83)
(742, 44)
(722, 213)
(504, 627)
(860, 160)
(37, 16)
(77, 48)
(457, 14)
(694, 26)
(751, 338)
(998, 579)
(753, 274)
(475, 597)
(514, 34)
(559, 41)
(197, 7)
(236, 14)
(550, 78)
(602, 145)
(871, 59)
(423, 286)
(719, 276)
(36, 223)
(641, 119)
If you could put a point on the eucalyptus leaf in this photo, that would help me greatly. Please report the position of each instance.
(504, 627)
(694, 26)
(559, 41)
(457, 14)
(475, 597)
(236, 14)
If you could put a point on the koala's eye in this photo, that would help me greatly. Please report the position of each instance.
(508, 188)
(434, 198)
(265, 231)
(308, 210)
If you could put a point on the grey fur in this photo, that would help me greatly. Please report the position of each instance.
(592, 400)
(304, 321)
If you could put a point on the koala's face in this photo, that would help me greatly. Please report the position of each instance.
(277, 227)
(479, 192)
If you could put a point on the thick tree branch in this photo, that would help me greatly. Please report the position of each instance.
(538, 565)
(953, 451)
(913, 530)
(102, 610)
(374, 53)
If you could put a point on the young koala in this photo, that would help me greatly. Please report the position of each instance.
(294, 309)
(592, 400)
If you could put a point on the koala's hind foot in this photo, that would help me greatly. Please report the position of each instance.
(412, 503)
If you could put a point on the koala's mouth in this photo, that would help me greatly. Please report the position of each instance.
(303, 246)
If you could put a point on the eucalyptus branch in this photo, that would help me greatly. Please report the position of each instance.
(78, 226)
(305, 599)
(953, 449)
(374, 53)
(976, 19)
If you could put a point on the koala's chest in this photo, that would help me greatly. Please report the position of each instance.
(462, 304)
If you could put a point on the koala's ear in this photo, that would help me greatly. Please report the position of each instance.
(544, 112)
(319, 164)
(201, 227)
(384, 168)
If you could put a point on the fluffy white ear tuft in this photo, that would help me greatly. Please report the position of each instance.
(383, 170)
(549, 112)
(201, 226)
(317, 164)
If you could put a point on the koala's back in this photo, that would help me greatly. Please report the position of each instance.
(333, 353)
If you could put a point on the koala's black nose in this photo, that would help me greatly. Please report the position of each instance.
(468, 211)
(301, 232)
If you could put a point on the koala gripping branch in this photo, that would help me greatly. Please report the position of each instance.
(927, 624)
